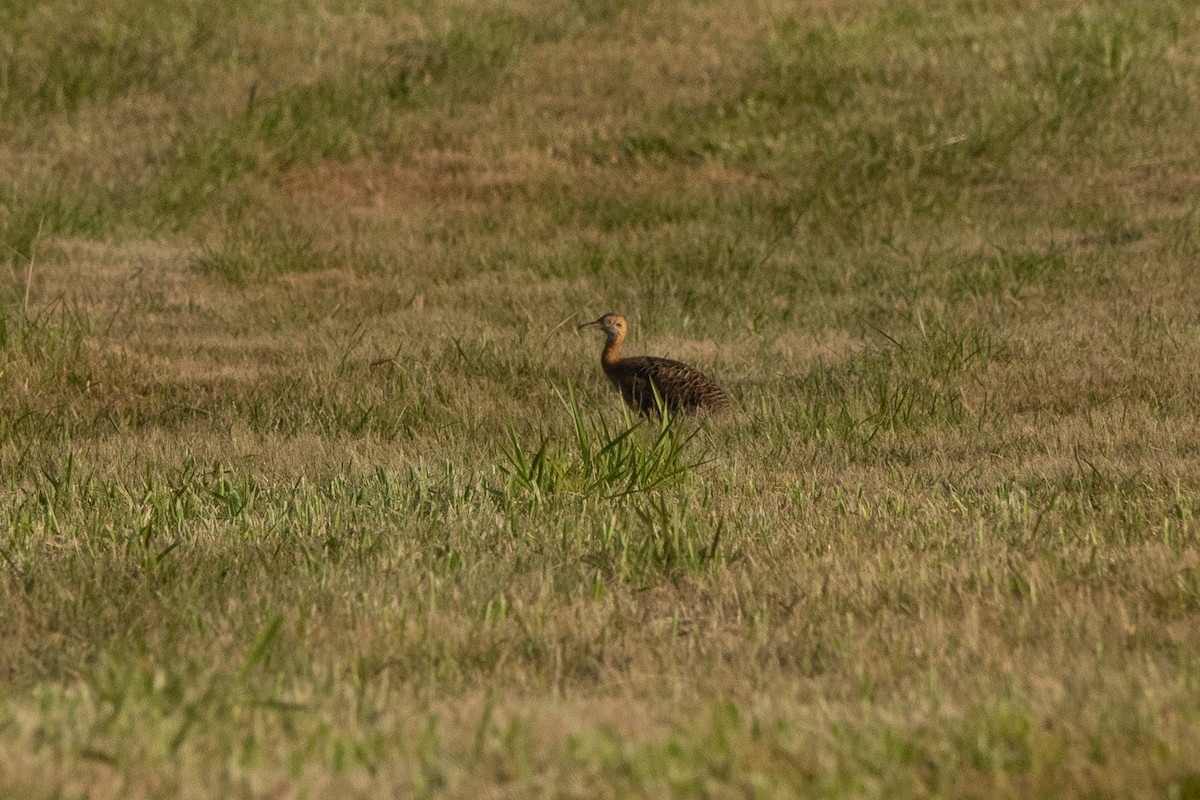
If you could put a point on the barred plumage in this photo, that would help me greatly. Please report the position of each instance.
(682, 388)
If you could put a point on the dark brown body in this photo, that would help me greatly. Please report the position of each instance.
(683, 389)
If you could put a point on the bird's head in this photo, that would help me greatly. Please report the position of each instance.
(613, 325)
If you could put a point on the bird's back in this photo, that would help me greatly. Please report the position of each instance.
(681, 387)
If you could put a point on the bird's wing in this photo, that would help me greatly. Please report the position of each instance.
(681, 386)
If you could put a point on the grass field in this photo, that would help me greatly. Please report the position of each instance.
(309, 488)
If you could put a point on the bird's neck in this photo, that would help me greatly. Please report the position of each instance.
(612, 350)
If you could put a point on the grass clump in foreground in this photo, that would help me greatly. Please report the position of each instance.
(291, 504)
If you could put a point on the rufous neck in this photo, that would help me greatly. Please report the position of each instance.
(612, 348)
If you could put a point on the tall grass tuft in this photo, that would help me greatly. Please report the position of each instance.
(599, 459)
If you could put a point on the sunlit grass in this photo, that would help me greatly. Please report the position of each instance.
(308, 487)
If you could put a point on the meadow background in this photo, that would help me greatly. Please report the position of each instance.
(308, 487)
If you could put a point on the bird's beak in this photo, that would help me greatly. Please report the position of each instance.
(595, 324)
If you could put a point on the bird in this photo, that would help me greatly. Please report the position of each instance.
(682, 388)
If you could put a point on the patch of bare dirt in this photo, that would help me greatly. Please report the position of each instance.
(439, 179)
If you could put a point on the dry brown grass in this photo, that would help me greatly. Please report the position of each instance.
(294, 498)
